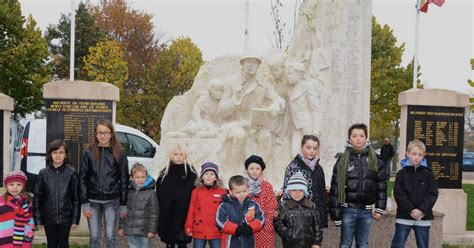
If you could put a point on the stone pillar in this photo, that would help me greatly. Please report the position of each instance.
(6, 106)
(73, 109)
(436, 117)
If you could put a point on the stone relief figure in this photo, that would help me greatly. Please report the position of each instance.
(304, 101)
(205, 119)
(275, 59)
(244, 93)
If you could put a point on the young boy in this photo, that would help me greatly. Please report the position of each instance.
(358, 181)
(141, 223)
(238, 217)
(415, 192)
(297, 222)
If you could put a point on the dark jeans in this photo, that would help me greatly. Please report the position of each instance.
(110, 212)
(388, 167)
(201, 243)
(355, 222)
(57, 235)
(422, 235)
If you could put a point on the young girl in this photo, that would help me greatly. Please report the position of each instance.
(307, 163)
(261, 191)
(16, 213)
(205, 199)
(103, 184)
(56, 197)
(174, 186)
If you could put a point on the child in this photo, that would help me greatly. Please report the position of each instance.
(205, 199)
(261, 191)
(297, 221)
(103, 184)
(174, 186)
(307, 163)
(415, 192)
(56, 196)
(16, 213)
(141, 222)
(358, 181)
(239, 217)
(304, 103)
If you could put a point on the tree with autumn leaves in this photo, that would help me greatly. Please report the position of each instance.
(388, 79)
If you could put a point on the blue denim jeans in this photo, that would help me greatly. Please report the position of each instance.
(355, 222)
(138, 241)
(201, 243)
(109, 211)
(422, 235)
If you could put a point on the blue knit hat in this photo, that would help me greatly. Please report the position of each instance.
(297, 182)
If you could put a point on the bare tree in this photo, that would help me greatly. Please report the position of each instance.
(279, 36)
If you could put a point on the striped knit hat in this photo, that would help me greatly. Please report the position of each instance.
(297, 182)
(14, 176)
(210, 166)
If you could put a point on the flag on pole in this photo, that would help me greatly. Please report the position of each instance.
(422, 5)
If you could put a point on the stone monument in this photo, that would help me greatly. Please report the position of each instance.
(6, 106)
(243, 105)
(436, 117)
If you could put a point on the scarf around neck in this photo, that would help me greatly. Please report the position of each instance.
(310, 163)
(342, 166)
(254, 185)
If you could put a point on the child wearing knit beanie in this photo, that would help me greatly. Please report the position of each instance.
(16, 212)
(205, 199)
(297, 222)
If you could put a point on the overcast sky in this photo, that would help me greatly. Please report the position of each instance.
(217, 27)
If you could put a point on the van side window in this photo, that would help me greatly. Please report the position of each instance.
(135, 146)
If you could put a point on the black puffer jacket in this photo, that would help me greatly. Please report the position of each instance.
(56, 198)
(297, 224)
(142, 209)
(105, 178)
(415, 188)
(316, 186)
(363, 187)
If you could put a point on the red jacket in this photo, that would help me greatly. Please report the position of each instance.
(201, 219)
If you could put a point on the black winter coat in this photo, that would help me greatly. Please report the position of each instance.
(56, 199)
(415, 189)
(174, 195)
(142, 209)
(297, 224)
(363, 187)
(386, 152)
(316, 186)
(105, 178)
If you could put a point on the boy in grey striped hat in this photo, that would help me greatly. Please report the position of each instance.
(297, 221)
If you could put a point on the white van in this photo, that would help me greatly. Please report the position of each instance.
(138, 146)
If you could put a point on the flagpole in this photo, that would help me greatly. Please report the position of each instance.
(415, 62)
(73, 38)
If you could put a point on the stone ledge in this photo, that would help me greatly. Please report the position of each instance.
(86, 90)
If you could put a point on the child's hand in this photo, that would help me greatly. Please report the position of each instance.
(151, 235)
(188, 232)
(87, 214)
(376, 216)
(416, 214)
(121, 233)
(250, 215)
(74, 227)
(315, 246)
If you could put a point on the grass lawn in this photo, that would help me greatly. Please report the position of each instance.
(469, 189)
